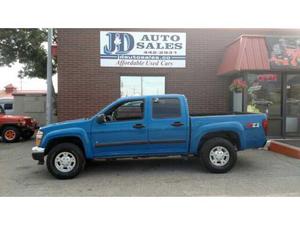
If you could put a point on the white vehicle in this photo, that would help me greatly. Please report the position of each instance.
(8, 105)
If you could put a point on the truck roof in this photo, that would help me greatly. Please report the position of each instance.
(151, 96)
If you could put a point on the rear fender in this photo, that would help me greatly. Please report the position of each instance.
(201, 131)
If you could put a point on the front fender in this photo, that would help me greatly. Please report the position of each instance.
(199, 132)
(69, 132)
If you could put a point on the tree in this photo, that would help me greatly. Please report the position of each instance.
(26, 46)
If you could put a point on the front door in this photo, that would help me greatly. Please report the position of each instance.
(292, 118)
(168, 126)
(124, 133)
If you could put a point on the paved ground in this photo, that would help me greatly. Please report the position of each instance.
(257, 173)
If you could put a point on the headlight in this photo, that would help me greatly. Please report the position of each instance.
(38, 137)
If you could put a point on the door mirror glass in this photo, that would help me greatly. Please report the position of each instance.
(101, 118)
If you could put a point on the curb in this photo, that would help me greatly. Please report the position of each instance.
(285, 149)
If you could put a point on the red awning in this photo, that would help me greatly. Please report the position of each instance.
(247, 53)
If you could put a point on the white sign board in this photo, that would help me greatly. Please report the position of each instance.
(142, 49)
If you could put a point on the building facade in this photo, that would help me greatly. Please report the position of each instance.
(197, 64)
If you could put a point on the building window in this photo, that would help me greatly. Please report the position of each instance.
(142, 85)
(264, 94)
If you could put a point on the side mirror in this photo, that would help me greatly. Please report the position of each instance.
(101, 118)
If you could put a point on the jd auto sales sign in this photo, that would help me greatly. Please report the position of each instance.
(142, 49)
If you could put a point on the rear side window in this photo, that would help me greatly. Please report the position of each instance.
(165, 108)
(8, 106)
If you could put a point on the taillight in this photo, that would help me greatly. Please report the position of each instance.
(265, 126)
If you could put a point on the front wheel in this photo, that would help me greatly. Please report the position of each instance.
(65, 161)
(10, 134)
(218, 155)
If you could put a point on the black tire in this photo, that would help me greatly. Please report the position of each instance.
(206, 159)
(71, 149)
(26, 135)
(10, 130)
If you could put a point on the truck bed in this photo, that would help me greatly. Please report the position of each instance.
(221, 114)
(251, 137)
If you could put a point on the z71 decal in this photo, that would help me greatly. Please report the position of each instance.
(252, 125)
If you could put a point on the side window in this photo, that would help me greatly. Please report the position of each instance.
(132, 110)
(165, 108)
(8, 106)
(1, 109)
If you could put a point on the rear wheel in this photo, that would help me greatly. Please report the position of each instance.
(10, 134)
(65, 161)
(218, 155)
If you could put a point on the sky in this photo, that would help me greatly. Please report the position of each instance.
(9, 75)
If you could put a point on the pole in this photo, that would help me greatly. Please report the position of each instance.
(49, 79)
(142, 89)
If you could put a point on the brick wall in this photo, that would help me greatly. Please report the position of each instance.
(84, 87)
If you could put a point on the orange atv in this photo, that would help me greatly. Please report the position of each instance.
(12, 128)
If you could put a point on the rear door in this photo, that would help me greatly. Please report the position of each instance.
(168, 126)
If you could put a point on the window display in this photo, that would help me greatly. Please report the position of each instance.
(264, 94)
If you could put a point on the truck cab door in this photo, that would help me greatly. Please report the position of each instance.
(124, 133)
(168, 126)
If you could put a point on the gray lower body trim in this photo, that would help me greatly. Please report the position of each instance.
(140, 143)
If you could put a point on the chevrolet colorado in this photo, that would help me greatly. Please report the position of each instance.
(148, 126)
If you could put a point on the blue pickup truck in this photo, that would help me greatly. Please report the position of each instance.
(148, 126)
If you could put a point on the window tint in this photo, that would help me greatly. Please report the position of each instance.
(8, 106)
(133, 110)
(165, 108)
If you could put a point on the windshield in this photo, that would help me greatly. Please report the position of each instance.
(2, 110)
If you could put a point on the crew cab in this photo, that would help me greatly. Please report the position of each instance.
(13, 127)
(148, 126)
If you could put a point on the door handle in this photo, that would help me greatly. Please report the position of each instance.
(138, 126)
(177, 124)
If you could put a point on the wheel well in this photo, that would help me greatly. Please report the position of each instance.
(7, 125)
(229, 135)
(56, 141)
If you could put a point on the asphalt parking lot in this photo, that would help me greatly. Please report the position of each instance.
(257, 173)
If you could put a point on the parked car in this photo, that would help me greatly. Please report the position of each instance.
(13, 127)
(144, 127)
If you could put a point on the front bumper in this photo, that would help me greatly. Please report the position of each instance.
(38, 154)
(30, 128)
